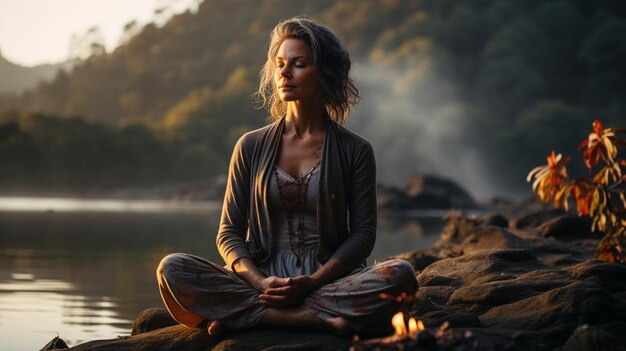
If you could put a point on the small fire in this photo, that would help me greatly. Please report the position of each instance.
(398, 323)
(415, 327)
(412, 326)
(418, 337)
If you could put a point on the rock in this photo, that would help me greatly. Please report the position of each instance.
(428, 189)
(457, 320)
(439, 292)
(611, 276)
(481, 266)
(566, 227)
(180, 337)
(491, 237)
(283, 339)
(154, 329)
(55, 344)
(459, 227)
(587, 338)
(535, 219)
(530, 286)
(418, 259)
(552, 308)
(498, 292)
(424, 192)
(152, 319)
(536, 290)
(176, 337)
(390, 197)
(497, 220)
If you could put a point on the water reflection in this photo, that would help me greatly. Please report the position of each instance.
(86, 275)
(102, 205)
(400, 233)
(31, 319)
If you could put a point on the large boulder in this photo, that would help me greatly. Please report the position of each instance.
(425, 192)
(567, 227)
(532, 286)
(534, 219)
(152, 319)
(179, 337)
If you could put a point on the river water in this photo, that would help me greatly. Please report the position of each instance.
(85, 268)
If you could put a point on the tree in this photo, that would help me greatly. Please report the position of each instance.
(86, 45)
(603, 52)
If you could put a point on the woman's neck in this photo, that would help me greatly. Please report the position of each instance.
(304, 119)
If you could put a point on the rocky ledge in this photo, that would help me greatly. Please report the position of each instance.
(529, 283)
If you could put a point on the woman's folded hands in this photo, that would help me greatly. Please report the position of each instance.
(283, 292)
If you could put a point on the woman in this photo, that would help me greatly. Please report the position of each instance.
(299, 213)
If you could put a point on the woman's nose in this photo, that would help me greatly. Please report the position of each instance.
(284, 71)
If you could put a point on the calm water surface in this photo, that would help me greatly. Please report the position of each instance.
(85, 268)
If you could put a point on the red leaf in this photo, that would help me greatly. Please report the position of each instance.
(598, 127)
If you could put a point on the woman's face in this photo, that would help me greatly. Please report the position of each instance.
(295, 73)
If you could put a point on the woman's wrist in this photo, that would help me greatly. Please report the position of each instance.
(257, 283)
(315, 283)
(328, 272)
(246, 269)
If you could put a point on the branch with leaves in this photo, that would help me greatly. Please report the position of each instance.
(601, 197)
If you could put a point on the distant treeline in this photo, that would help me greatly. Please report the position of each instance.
(45, 154)
(512, 79)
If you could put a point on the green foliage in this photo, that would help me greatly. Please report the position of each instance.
(603, 53)
(540, 128)
(543, 125)
(40, 151)
(207, 117)
(527, 66)
(465, 31)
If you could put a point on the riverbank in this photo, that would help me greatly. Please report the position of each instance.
(517, 282)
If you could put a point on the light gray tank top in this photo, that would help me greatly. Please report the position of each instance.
(282, 263)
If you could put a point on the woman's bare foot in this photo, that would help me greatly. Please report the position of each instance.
(215, 328)
(337, 325)
(300, 317)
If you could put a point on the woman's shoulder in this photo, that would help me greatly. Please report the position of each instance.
(351, 138)
(252, 137)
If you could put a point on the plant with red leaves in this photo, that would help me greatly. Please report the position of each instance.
(601, 197)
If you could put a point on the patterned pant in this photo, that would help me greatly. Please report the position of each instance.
(195, 290)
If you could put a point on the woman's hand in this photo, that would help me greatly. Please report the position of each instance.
(271, 282)
(290, 293)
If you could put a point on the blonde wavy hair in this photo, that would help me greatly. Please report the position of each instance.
(332, 68)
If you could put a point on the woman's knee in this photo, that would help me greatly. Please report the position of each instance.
(168, 263)
(402, 274)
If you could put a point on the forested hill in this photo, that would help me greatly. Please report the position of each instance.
(478, 90)
(16, 78)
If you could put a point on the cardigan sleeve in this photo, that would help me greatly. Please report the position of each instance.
(362, 210)
(231, 235)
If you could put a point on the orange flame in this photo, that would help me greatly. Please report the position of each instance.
(398, 323)
(415, 327)
(412, 326)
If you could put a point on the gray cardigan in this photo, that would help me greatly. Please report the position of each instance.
(346, 197)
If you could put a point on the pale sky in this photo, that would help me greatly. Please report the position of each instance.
(39, 31)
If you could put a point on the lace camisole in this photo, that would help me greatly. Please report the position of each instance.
(282, 263)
